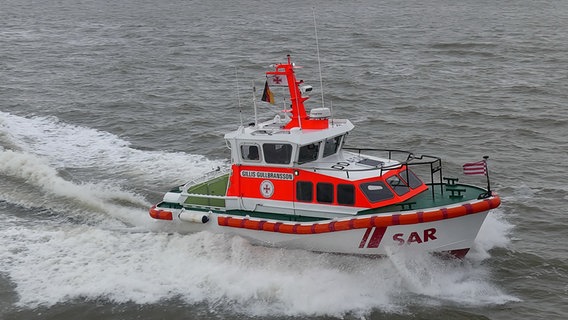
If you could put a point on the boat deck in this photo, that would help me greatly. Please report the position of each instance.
(437, 195)
(210, 195)
(214, 190)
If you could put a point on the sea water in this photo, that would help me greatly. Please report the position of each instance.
(104, 106)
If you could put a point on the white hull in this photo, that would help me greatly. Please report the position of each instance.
(454, 235)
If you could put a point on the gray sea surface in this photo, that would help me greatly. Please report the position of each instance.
(105, 105)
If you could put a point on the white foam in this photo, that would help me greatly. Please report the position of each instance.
(69, 146)
(50, 266)
(46, 145)
(39, 175)
(438, 281)
(494, 233)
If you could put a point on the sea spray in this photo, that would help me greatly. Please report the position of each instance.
(87, 262)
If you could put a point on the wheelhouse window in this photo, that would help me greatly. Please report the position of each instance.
(324, 192)
(249, 152)
(398, 185)
(376, 191)
(309, 153)
(331, 146)
(277, 153)
(304, 191)
(346, 194)
(411, 179)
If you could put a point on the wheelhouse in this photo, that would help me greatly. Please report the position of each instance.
(296, 164)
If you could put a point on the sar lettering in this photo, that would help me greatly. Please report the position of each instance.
(414, 237)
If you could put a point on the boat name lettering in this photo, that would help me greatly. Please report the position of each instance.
(414, 237)
(267, 175)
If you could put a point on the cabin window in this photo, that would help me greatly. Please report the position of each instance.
(346, 194)
(277, 153)
(376, 191)
(398, 185)
(324, 192)
(308, 153)
(250, 152)
(411, 179)
(331, 146)
(304, 191)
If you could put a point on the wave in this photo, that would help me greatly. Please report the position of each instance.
(80, 171)
(69, 146)
(57, 265)
(135, 262)
(45, 188)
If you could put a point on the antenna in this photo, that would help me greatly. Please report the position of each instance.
(331, 111)
(254, 104)
(239, 97)
(318, 52)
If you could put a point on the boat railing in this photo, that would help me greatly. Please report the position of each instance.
(404, 159)
(217, 172)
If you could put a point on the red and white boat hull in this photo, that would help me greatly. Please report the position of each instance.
(451, 230)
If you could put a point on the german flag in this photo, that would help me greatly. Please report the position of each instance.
(267, 95)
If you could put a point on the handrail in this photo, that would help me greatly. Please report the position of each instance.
(434, 162)
(206, 196)
(218, 172)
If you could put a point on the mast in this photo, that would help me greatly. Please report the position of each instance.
(298, 109)
(299, 116)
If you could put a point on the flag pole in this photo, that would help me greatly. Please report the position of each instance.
(487, 175)
(254, 104)
(239, 97)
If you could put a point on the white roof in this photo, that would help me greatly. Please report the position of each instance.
(271, 131)
(350, 166)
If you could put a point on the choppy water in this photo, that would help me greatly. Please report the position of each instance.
(106, 104)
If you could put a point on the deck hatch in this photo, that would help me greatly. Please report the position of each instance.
(371, 162)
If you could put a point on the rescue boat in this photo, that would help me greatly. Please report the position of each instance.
(293, 183)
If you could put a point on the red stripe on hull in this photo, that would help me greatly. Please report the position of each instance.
(377, 237)
(365, 236)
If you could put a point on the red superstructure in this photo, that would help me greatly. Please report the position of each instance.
(299, 165)
(299, 116)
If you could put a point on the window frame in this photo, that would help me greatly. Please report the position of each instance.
(246, 159)
(299, 189)
(320, 196)
(413, 178)
(269, 159)
(340, 198)
(401, 188)
(375, 197)
(317, 146)
(337, 144)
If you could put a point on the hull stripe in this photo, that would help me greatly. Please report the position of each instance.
(365, 236)
(377, 237)
(363, 222)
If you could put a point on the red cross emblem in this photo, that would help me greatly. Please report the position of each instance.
(267, 188)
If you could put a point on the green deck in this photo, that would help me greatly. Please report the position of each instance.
(213, 187)
(452, 194)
